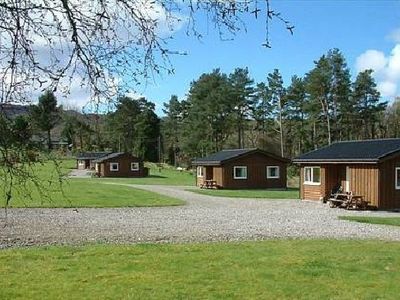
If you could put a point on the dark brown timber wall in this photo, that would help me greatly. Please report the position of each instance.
(389, 196)
(256, 164)
(124, 162)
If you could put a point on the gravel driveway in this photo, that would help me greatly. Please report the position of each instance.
(204, 218)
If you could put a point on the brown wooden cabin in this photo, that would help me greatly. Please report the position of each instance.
(85, 160)
(120, 164)
(242, 169)
(369, 168)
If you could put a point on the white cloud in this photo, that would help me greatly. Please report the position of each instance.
(393, 66)
(386, 69)
(387, 88)
(394, 36)
(371, 59)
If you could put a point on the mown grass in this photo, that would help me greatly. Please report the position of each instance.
(394, 221)
(290, 193)
(279, 269)
(82, 192)
(159, 176)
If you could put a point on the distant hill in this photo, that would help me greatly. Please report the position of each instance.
(12, 110)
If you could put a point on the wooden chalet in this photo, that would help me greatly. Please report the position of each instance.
(120, 164)
(85, 160)
(241, 169)
(370, 169)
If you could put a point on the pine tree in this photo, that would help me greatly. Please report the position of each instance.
(296, 115)
(318, 89)
(45, 115)
(277, 94)
(366, 98)
(211, 114)
(340, 91)
(242, 94)
(171, 127)
(262, 109)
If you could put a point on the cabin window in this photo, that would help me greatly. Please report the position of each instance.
(397, 179)
(240, 172)
(312, 175)
(114, 167)
(200, 172)
(272, 172)
(135, 166)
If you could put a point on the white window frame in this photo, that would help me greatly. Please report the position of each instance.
(137, 168)
(200, 172)
(239, 167)
(311, 182)
(114, 164)
(396, 179)
(277, 176)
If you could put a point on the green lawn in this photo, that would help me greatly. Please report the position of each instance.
(279, 269)
(83, 192)
(167, 176)
(395, 221)
(290, 193)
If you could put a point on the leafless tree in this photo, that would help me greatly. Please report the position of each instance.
(107, 46)
(104, 44)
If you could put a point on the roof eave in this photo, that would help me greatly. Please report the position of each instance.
(336, 161)
(206, 163)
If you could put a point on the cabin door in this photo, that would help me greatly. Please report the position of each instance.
(209, 173)
(347, 181)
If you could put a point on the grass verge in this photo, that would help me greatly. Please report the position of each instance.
(290, 193)
(394, 221)
(279, 269)
(81, 192)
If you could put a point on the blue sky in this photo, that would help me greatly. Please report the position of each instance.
(355, 27)
(367, 32)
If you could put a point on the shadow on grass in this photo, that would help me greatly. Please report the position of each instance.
(156, 176)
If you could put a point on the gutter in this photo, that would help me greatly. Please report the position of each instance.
(336, 161)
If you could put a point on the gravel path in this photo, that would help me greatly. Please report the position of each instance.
(204, 218)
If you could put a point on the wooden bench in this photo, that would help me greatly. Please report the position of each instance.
(348, 201)
(209, 184)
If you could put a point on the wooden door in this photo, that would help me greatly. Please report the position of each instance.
(209, 173)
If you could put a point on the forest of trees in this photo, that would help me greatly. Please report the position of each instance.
(233, 111)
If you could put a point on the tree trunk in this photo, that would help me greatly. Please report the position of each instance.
(315, 136)
(325, 110)
(81, 139)
(48, 140)
(328, 124)
(281, 126)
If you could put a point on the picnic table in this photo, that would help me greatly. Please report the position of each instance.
(209, 184)
(348, 201)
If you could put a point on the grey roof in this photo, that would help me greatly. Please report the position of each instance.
(224, 155)
(91, 155)
(353, 151)
(109, 156)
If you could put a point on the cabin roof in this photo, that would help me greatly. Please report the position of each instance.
(220, 157)
(109, 156)
(371, 151)
(91, 155)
